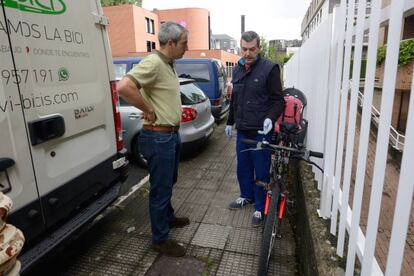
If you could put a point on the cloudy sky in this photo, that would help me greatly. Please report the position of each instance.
(273, 19)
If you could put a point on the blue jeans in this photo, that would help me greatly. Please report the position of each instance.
(162, 151)
(252, 166)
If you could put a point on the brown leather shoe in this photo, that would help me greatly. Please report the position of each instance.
(179, 222)
(169, 248)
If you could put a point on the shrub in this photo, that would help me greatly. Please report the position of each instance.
(406, 53)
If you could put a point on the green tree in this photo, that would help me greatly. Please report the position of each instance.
(267, 51)
(270, 53)
(106, 3)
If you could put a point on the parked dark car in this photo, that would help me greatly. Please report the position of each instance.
(211, 77)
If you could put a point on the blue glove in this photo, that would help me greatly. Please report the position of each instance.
(228, 130)
(267, 126)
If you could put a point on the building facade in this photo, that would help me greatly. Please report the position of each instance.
(224, 42)
(284, 46)
(133, 31)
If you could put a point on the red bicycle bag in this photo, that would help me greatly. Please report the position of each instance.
(292, 113)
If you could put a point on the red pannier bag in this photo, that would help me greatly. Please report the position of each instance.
(291, 121)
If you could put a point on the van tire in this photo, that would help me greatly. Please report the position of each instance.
(136, 156)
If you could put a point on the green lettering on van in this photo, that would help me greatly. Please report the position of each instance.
(37, 6)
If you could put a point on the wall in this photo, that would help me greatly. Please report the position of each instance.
(196, 20)
(127, 30)
(121, 29)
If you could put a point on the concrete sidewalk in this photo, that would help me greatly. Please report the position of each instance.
(219, 241)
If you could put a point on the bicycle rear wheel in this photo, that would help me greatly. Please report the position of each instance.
(271, 228)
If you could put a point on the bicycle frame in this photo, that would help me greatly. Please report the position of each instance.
(279, 167)
(276, 190)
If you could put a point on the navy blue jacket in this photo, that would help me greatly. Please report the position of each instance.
(257, 95)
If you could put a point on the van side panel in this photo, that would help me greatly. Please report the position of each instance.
(61, 132)
(69, 79)
(17, 181)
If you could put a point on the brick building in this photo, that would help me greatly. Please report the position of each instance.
(133, 31)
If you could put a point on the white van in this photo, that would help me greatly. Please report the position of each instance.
(61, 154)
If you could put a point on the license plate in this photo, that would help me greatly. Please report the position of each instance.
(4, 183)
(118, 163)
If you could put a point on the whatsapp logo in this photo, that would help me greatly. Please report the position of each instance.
(63, 74)
(51, 7)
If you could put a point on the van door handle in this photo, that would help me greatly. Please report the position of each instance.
(134, 116)
(5, 163)
(46, 129)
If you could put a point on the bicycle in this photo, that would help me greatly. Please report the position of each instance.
(285, 148)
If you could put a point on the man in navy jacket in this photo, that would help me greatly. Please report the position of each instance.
(256, 103)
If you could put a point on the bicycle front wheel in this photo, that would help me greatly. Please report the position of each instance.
(271, 228)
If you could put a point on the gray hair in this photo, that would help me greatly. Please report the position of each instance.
(170, 30)
(249, 36)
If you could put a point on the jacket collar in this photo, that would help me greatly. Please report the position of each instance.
(241, 62)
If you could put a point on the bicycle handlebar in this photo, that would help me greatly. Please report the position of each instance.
(265, 144)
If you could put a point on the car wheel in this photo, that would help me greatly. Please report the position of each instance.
(136, 155)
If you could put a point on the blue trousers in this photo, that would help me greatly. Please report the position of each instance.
(252, 166)
(162, 151)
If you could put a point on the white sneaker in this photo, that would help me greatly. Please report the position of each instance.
(257, 218)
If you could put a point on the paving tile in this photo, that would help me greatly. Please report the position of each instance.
(213, 236)
(184, 234)
(200, 197)
(243, 240)
(237, 264)
(195, 212)
(218, 215)
(184, 266)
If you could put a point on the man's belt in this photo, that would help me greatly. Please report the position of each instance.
(162, 128)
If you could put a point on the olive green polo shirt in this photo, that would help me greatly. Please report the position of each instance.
(160, 87)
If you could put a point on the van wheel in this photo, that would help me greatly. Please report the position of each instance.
(137, 157)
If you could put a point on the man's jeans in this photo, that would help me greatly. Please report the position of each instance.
(252, 166)
(162, 151)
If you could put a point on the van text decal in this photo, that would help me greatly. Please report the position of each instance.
(51, 7)
(33, 30)
(38, 101)
(83, 112)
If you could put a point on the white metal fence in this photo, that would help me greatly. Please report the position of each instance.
(321, 69)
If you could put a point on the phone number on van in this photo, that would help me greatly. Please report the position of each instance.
(21, 76)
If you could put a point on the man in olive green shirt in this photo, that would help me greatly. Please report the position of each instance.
(153, 87)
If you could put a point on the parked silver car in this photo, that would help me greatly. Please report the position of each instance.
(197, 123)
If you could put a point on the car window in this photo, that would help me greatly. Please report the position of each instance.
(196, 71)
(191, 94)
(221, 77)
(120, 70)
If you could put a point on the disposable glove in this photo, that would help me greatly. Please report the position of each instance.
(267, 126)
(228, 130)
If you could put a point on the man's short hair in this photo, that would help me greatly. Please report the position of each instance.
(170, 30)
(250, 36)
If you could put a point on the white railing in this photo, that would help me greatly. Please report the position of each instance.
(321, 69)
(396, 138)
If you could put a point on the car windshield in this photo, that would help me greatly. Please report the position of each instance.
(120, 70)
(196, 71)
(191, 94)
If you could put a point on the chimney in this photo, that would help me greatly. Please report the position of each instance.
(242, 23)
